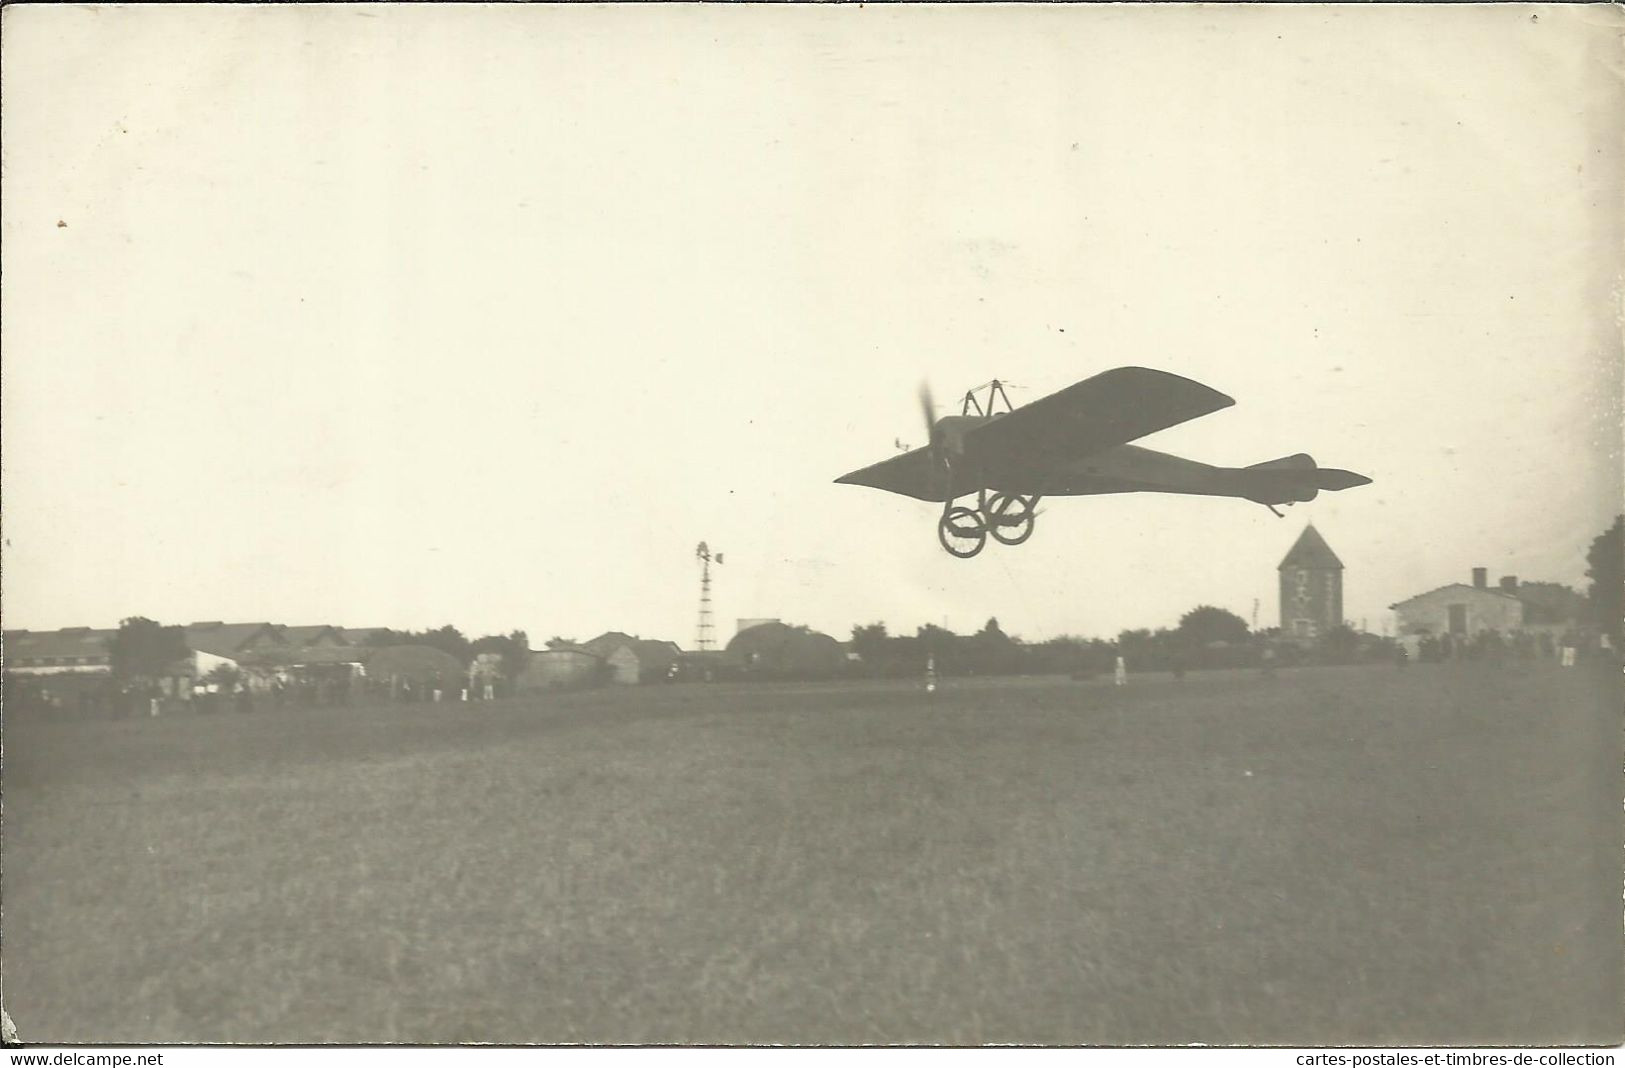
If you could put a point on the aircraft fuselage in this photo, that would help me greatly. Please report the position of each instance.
(1120, 469)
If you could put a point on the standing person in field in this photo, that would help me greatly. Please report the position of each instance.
(1120, 672)
(1266, 662)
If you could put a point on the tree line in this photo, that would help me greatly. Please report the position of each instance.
(1206, 636)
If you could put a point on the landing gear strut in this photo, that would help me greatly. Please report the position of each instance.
(1009, 517)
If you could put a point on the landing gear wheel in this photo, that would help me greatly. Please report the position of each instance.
(962, 532)
(1010, 518)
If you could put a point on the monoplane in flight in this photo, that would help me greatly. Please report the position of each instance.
(1071, 444)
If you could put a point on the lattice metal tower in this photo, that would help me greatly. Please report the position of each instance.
(706, 637)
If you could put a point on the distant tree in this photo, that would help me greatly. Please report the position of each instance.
(1551, 602)
(1606, 569)
(941, 644)
(1069, 655)
(869, 642)
(1138, 638)
(1340, 644)
(1139, 648)
(513, 650)
(448, 639)
(556, 642)
(1206, 624)
(990, 651)
(516, 658)
(143, 651)
(224, 676)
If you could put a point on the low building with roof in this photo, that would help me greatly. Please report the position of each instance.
(66, 672)
(314, 634)
(68, 651)
(562, 667)
(778, 650)
(414, 670)
(265, 652)
(213, 644)
(632, 659)
(709, 665)
(1460, 610)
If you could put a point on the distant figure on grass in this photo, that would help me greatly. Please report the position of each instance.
(1120, 672)
(1266, 662)
(1570, 642)
(1401, 657)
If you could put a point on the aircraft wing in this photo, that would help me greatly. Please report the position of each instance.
(1112, 408)
(910, 474)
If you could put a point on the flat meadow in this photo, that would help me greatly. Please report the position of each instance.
(1333, 855)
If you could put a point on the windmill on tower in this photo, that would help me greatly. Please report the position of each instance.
(706, 636)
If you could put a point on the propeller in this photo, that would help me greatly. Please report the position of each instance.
(938, 459)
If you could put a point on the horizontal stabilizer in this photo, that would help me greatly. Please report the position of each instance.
(1295, 478)
(1299, 461)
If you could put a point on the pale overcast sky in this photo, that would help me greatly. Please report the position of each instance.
(413, 315)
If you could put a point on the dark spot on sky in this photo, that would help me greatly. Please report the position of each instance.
(60, 225)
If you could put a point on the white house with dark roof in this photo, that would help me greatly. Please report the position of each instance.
(1460, 609)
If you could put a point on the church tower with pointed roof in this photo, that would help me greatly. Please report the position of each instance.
(1311, 588)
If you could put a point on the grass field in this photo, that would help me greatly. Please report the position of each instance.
(1359, 855)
